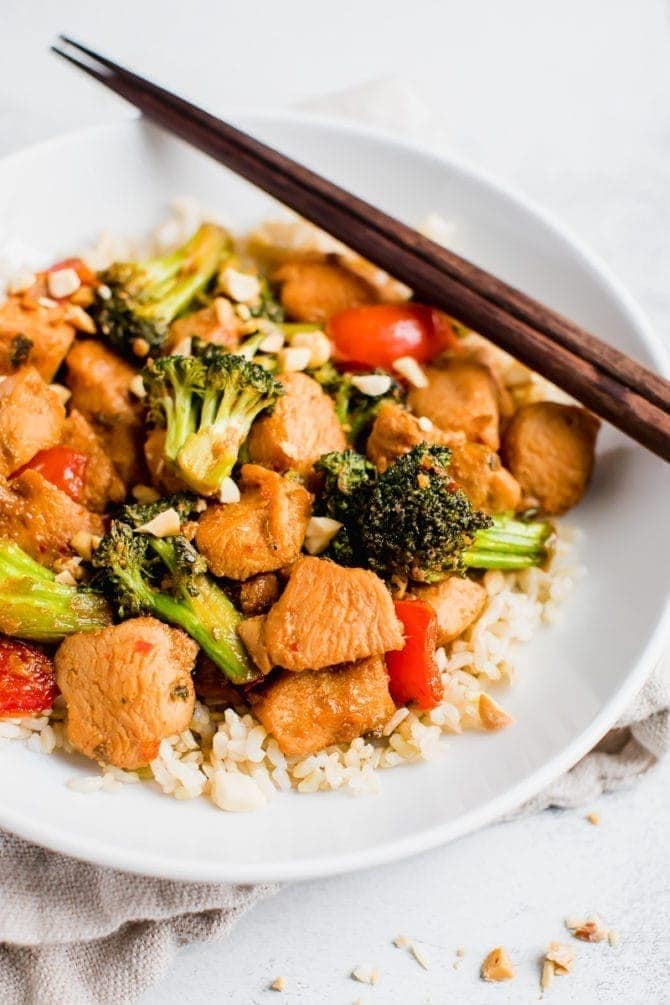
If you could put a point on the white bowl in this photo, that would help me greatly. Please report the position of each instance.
(574, 679)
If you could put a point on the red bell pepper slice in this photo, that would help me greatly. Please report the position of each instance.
(63, 467)
(27, 679)
(413, 671)
(378, 334)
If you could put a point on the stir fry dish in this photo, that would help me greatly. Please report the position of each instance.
(265, 521)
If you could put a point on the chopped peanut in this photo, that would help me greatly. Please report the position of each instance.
(497, 966)
(491, 714)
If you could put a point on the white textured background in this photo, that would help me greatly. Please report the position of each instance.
(569, 100)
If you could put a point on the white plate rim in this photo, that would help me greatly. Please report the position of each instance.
(495, 809)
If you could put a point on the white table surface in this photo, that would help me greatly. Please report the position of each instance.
(569, 100)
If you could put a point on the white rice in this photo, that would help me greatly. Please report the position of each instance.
(227, 755)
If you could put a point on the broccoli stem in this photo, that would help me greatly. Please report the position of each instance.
(206, 614)
(508, 544)
(34, 606)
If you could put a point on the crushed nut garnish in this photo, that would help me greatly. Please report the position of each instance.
(401, 941)
(85, 543)
(372, 384)
(166, 524)
(612, 937)
(104, 292)
(408, 368)
(273, 341)
(241, 286)
(293, 359)
(140, 347)
(229, 492)
(491, 714)
(136, 386)
(144, 494)
(424, 424)
(547, 974)
(317, 343)
(64, 393)
(497, 966)
(423, 481)
(365, 976)
(63, 283)
(66, 578)
(593, 818)
(588, 930)
(460, 952)
(78, 317)
(562, 957)
(418, 955)
(47, 302)
(319, 533)
(278, 984)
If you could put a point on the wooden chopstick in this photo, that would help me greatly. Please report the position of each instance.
(595, 377)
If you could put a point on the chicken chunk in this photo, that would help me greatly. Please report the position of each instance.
(457, 602)
(100, 384)
(40, 518)
(487, 484)
(550, 449)
(314, 291)
(326, 615)
(461, 395)
(33, 334)
(126, 688)
(31, 418)
(302, 427)
(258, 593)
(476, 468)
(395, 431)
(307, 712)
(102, 484)
(260, 533)
(218, 324)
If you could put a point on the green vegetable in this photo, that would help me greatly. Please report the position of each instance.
(413, 523)
(139, 300)
(207, 403)
(34, 606)
(355, 410)
(167, 577)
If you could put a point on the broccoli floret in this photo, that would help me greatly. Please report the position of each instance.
(419, 525)
(348, 479)
(167, 577)
(138, 301)
(267, 307)
(34, 606)
(413, 522)
(355, 410)
(207, 403)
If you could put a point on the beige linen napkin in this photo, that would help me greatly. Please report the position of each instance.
(74, 934)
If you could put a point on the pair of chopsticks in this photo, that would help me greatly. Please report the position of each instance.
(611, 384)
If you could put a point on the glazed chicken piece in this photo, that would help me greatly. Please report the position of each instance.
(302, 426)
(395, 431)
(260, 533)
(314, 291)
(461, 395)
(40, 518)
(100, 384)
(31, 418)
(36, 335)
(550, 449)
(258, 593)
(218, 324)
(487, 484)
(457, 602)
(326, 615)
(126, 688)
(308, 711)
(476, 468)
(162, 475)
(102, 484)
